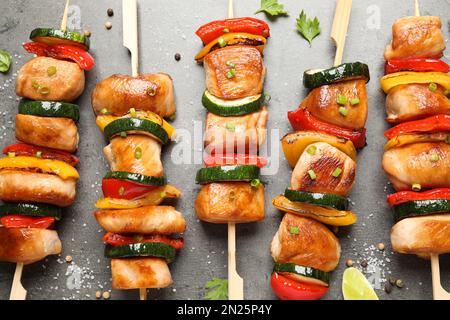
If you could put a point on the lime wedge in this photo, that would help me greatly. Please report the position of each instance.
(355, 286)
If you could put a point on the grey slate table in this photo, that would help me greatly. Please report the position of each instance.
(167, 27)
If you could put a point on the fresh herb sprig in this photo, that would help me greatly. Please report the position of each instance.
(308, 28)
(272, 8)
(217, 289)
(5, 61)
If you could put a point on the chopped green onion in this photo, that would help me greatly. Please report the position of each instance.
(44, 90)
(354, 101)
(294, 230)
(226, 30)
(267, 97)
(162, 194)
(312, 174)
(230, 64)
(138, 153)
(35, 84)
(230, 126)
(341, 99)
(434, 157)
(51, 71)
(446, 93)
(311, 150)
(337, 172)
(39, 154)
(433, 87)
(172, 117)
(343, 111)
(255, 183)
(222, 42)
(121, 191)
(151, 91)
(447, 140)
(133, 112)
(104, 111)
(123, 134)
(416, 187)
(11, 154)
(230, 73)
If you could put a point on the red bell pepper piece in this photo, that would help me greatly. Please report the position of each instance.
(302, 119)
(417, 64)
(19, 221)
(405, 196)
(287, 289)
(214, 29)
(62, 52)
(440, 122)
(234, 159)
(23, 149)
(123, 189)
(118, 240)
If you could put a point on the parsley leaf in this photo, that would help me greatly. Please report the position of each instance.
(272, 7)
(308, 28)
(5, 61)
(218, 289)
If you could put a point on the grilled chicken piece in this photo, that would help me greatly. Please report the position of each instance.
(412, 164)
(148, 92)
(243, 134)
(56, 133)
(33, 81)
(414, 101)
(325, 160)
(313, 246)
(248, 77)
(416, 37)
(28, 245)
(21, 185)
(143, 220)
(139, 273)
(225, 202)
(120, 154)
(322, 103)
(422, 235)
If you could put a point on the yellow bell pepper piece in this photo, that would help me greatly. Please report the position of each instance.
(60, 168)
(410, 138)
(325, 215)
(394, 79)
(231, 39)
(295, 143)
(153, 198)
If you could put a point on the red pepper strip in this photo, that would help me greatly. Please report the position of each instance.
(405, 196)
(118, 240)
(23, 149)
(123, 189)
(440, 122)
(234, 159)
(302, 119)
(287, 289)
(417, 64)
(19, 221)
(214, 29)
(62, 52)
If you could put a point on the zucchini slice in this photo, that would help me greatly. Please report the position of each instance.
(231, 108)
(135, 125)
(30, 209)
(137, 177)
(304, 274)
(50, 109)
(346, 71)
(416, 208)
(227, 173)
(320, 199)
(51, 37)
(142, 249)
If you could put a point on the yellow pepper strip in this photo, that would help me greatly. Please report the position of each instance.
(60, 168)
(230, 39)
(103, 120)
(394, 79)
(410, 138)
(153, 198)
(295, 143)
(325, 215)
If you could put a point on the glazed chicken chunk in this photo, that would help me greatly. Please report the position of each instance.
(313, 246)
(323, 163)
(416, 37)
(249, 72)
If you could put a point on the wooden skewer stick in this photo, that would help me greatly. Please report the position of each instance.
(439, 293)
(18, 292)
(64, 19)
(416, 8)
(340, 27)
(235, 282)
(130, 41)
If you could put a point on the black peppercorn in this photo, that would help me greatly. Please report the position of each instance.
(110, 12)
(177, 56)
